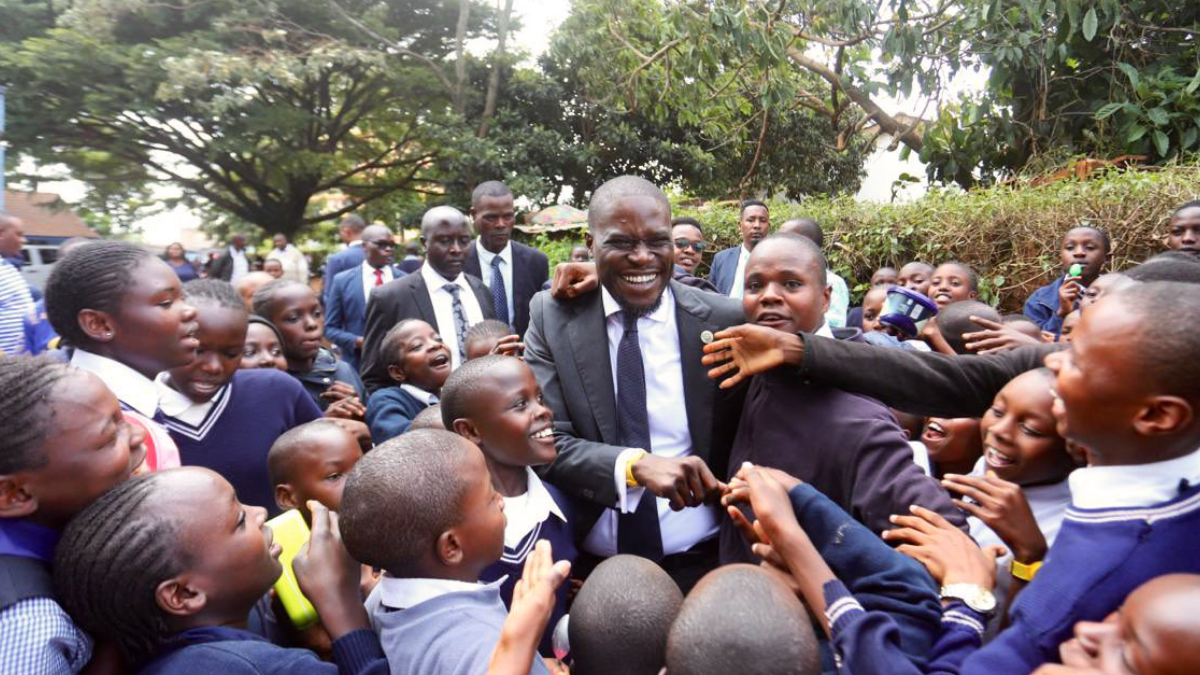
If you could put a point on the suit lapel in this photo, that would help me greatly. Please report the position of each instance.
(692, 319)
(424, 305)
(589, 346)
(472, 265)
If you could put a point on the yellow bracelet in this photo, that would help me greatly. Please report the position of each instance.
(1025, 572)
(630, 481)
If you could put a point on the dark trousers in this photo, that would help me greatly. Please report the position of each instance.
(685, 569)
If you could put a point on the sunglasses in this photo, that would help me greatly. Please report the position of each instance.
(384, 244)
(697, 246)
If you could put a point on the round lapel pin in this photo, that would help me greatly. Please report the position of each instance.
(707, 337)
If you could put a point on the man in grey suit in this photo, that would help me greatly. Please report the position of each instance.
(618, 366)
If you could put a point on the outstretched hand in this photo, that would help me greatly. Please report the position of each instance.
(574, 279)
(740, 352)
(1002, 506)
(950, 555)
(532, 604)
(995, 337)
(684, 481)
(509, 345)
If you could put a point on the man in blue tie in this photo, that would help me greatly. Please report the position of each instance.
(512, 271)
(641, 431)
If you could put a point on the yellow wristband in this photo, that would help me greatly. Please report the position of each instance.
(630, 481)
(1025, 572)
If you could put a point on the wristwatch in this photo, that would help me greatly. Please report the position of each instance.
(974, 596)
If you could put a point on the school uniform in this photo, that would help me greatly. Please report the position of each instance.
(839, 300)
(1042, 307)
(847, 446)
(220, 649)
(138, 398)
(390, 410)
(326, 370)
(36, 635)
(439, 626)
(1126, 525)
(1049, 505)
(232, 432)
(537, 514)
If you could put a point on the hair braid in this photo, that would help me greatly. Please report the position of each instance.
(110, 561)
(27, 384)
(95, 275)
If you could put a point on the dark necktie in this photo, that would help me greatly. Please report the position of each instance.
(460, 319)
(499, 297)
(638, 532)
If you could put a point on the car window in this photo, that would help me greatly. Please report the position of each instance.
(49, 255)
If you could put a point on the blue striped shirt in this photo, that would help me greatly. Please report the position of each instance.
(38, 638)
(15, 304)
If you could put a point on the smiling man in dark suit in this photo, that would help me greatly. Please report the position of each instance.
(346, 301)
(439, 294)
(641, 431)
(512, 271)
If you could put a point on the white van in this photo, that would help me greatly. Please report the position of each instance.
(39, 260)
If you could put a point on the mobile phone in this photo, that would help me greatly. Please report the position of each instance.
(291, 533)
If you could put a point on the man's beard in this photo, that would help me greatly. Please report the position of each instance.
(639, 312)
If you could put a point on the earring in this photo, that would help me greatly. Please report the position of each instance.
(108, 335)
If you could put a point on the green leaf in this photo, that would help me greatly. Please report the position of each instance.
(1161, 143)
(1159, 116)
(1194, 84)
(1090, 23)
(1130, 72)
(1189, 138)
(1135, 133)
(1107, 110)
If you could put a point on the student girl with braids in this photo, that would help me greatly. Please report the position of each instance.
(65, 442)
(168, 565)
(121, 310)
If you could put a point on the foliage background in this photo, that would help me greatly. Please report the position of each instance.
(1009, 234)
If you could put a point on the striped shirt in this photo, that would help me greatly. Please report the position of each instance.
(15, 304)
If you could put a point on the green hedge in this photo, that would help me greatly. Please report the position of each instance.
(1010, 234)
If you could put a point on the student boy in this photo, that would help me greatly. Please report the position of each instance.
(495, 402)
(440, 294)
(839, 295)
(311, 462)
(417, 363)
(1086, 246)
(728, 267)
(848, 447)
(433, 539)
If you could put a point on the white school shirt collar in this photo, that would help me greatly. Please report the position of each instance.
(525, 512)
(485, 256)
(130, 387)
(1134, 485)
(825, 331)
(180, 406)
(420, 394)
(356, 242)
(398, 593)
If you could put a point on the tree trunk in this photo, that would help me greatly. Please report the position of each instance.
(493, 90)
(460, 62)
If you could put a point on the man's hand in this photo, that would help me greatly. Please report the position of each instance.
(347, 408)
(574, 279)
(685, 481)
(995, 337)
(947, 552)
(741, 352)
(1002, 506)
(509, 345)
(338, 391)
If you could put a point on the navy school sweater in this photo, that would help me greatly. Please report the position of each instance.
(247, 415)
(390, 412)
(239, 652)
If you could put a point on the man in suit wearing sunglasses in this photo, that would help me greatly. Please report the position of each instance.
(688, 238)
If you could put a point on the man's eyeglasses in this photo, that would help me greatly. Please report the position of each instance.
(697, 246)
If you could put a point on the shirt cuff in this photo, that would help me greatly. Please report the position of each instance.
(626, 495)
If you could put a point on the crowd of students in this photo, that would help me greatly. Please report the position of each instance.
(989, 495)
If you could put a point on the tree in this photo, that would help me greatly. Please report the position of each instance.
(252, 107)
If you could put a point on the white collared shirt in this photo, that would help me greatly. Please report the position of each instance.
(527, 511)
(368, 278)
(241, 266)
(1133, 485)
(506, 270)
(179, 405)
(658, 337)
(443, 307)
(420, 394)
(130, 387)
(739, 274)
(397, 593)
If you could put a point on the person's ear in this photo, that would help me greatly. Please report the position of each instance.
(396, 373)
(178, 598)
(972, 295)
(449, 548)
(825, 296)
(15, 501)
(589, 240)
(285, 497)
(1164, 415)
(424, 244)
(466, 428)
(98, 326)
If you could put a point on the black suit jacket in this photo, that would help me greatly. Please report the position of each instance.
(222, 267)
(567, 347)
(531, 269)
(395, 301)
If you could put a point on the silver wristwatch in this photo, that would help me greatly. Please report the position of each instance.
(974, 596)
